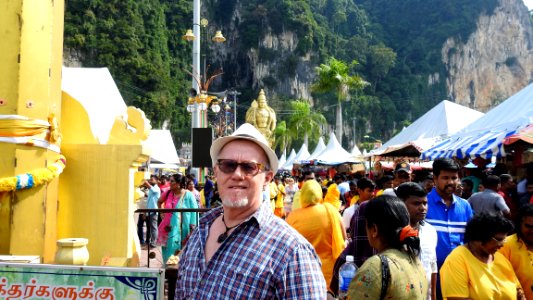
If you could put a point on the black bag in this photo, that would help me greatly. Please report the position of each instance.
(385, 276)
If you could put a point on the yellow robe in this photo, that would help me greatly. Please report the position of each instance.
(320, 224)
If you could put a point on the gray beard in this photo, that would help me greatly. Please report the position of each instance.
(235, 204)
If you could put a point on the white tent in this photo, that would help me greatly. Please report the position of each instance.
(302, 155)
(334, 154)
(318, 149)
(290, 159)
(442, 121)
(164, 154)
(97, 92)
(355, 151)
(484, 137)
(282, 159)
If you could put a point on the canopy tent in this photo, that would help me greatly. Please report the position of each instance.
(484, 137)
(288, 164)
(302, 155)
(164, 154)
(443, 120)
(355, 151)
(282, 159)
(334, 154)
(318, 149)
(525, 134)
(94, 89)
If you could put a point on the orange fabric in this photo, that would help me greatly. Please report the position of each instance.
(316, 225)
(408, 231)
(333, 196)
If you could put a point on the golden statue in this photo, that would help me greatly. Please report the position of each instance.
(262, 117)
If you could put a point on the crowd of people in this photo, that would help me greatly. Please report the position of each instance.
(446, 234)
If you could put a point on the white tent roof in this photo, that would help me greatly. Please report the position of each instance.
(356, 151)
(289, 162)
(443, 120)
(334, 154)
(318, 149)
(162, 146)
(96, 91)
(303, 154)
(484, 137)
(283, 158)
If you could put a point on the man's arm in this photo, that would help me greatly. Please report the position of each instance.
(303, 278)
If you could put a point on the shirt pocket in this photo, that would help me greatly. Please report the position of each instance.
(246, 284)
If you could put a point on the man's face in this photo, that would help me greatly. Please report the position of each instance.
(509, 185)
(417, 207)
(237, 189)
(401, 177)
(428, 185)
(387, 184)
(365, 194)
(153, 181)
(446, 182)
(527, 230)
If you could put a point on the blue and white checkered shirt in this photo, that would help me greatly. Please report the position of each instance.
(264, 258)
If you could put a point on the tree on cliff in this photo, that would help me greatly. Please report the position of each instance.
(303, 121)
(335, 76)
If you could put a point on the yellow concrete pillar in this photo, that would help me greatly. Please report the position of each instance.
(30, 86)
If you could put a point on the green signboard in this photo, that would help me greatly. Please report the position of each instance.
(59, 282)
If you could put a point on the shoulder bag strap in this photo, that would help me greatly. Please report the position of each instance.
(385, 276)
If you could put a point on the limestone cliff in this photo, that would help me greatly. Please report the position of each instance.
(495, 62)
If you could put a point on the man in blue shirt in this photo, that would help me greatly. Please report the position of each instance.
(447, 212)
(151, 203)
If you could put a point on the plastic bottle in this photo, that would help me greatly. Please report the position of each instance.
(346, 274)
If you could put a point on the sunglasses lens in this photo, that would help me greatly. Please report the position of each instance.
(227, 166)
(249, 168)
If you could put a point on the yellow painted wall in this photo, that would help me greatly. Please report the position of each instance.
(30, 67)
(96, 199)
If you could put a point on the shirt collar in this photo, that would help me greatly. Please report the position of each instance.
(437, 198)
(261, 216)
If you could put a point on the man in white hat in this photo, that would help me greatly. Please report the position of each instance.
(242, 250)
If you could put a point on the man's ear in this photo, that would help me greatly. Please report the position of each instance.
(269, 175)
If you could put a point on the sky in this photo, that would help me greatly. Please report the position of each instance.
(529, 4)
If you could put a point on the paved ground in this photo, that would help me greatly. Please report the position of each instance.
(156, 262)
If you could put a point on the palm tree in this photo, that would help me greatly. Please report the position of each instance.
(334, 76)
(282, 138)
(302, 122)
(305, 122)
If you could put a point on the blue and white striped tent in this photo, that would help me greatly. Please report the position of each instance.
(484, 137)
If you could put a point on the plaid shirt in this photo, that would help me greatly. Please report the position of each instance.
(264, 258)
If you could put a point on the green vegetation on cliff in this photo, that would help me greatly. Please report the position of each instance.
(396, 43)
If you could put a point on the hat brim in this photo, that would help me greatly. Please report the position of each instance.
(219, 143)
(402, 170)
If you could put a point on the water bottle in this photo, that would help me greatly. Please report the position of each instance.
(346, 274)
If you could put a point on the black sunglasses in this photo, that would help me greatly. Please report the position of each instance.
(229, 166)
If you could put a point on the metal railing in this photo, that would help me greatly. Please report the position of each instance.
(198, 212)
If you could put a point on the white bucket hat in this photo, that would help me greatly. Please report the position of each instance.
(246, 132)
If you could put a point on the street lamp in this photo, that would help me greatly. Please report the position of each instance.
(199, 100)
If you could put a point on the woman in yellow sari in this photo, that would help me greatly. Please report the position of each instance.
(320, 223)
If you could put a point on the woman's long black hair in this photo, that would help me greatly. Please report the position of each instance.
(390, 216)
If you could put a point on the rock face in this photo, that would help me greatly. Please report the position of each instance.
(495, 62)
(284, 45)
